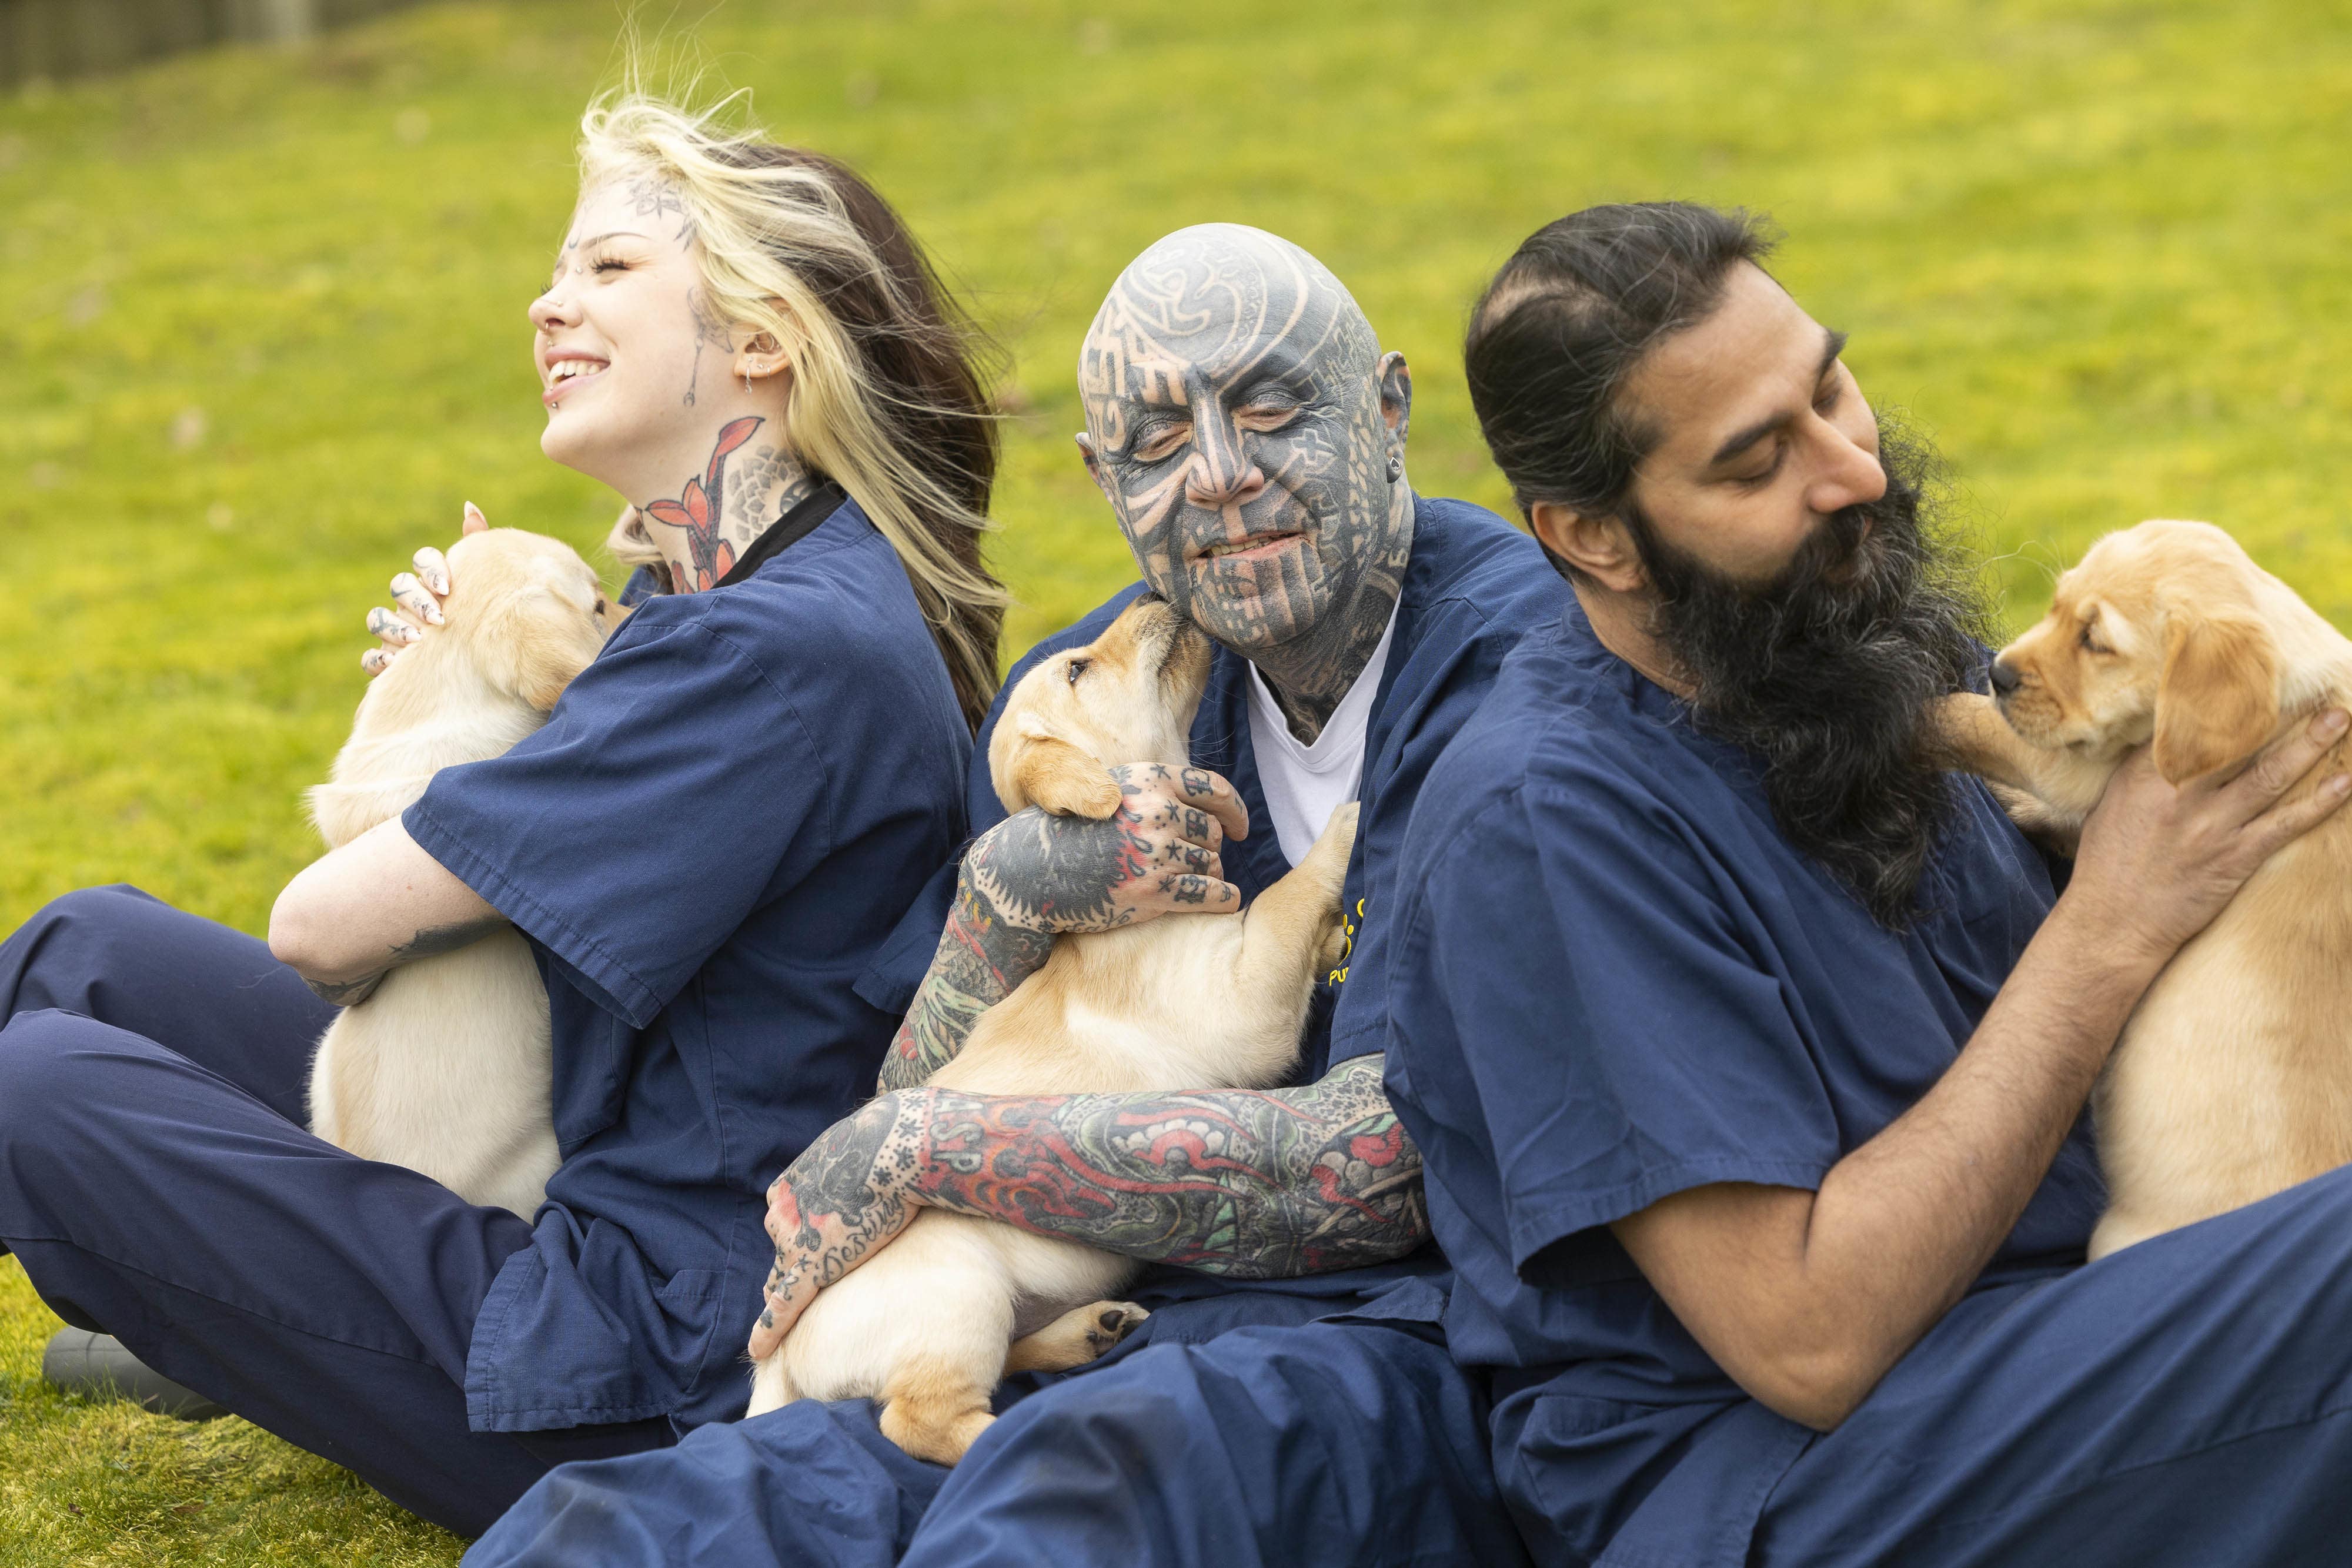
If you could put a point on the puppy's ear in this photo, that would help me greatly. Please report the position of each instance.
(2217, 700)
(551, 644)
(545, 666)
(1040, 770)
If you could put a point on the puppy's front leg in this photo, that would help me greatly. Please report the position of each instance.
(1967, 733)
(1285, 930)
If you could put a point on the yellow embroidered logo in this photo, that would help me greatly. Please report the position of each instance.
(1348, 924)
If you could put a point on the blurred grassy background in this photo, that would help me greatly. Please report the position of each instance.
(264, 332)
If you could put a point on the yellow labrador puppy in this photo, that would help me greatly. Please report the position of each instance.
(445, 1068)
(933, 1322)
(2233, 1079)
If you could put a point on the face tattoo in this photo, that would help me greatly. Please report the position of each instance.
(1233, 396)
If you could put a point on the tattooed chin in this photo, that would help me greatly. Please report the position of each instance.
(1258, 599)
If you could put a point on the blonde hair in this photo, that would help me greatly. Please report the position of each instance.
(888, 397)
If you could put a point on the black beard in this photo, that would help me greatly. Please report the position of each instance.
(1828, 675)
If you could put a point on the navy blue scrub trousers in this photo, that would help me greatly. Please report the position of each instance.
(2184, 1402)
(1348, 1441)
(158, 1183)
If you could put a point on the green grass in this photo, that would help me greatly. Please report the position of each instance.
(2097, 250)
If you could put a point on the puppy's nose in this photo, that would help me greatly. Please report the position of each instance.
(2004, 678)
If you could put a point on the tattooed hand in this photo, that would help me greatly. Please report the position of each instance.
(1157, 855)
(418, 594)
(1034, 874)
(845, 1196)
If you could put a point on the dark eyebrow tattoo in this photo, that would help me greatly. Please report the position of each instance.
(1832, 345)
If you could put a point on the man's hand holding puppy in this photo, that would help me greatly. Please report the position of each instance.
(1035, 875)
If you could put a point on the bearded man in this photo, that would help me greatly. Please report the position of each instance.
(1289, 1400)
(1748, 1054)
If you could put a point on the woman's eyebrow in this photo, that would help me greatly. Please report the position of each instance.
(608, 233)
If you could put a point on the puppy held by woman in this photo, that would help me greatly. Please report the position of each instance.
(444, 1066)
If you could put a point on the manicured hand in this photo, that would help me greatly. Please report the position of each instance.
(417, 595)
(1158, 854)
(2158, 862)
(848, 1193)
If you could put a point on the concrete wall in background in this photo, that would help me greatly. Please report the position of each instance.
(54, 38)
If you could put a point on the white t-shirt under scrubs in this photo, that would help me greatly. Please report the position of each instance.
(1303, 785)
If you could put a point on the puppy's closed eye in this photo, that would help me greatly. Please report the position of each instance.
(2093, 637)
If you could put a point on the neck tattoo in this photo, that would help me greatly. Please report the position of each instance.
(722, 510)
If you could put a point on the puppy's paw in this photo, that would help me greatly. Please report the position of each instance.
(1109, 1322)
(1075, 1338)
(1329, 858)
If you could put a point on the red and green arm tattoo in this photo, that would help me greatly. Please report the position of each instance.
(1247, 1183)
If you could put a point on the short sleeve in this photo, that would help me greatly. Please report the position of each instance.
(1621, 1042)
(633, 835)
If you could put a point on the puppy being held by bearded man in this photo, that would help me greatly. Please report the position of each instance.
(2233, 1079)
(446, 1066)
(932, 1323)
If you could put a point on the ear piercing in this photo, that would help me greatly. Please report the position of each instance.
(1396, 467)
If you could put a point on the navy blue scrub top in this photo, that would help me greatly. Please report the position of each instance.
(706, 845)
(1473, 586)
(1617, 980)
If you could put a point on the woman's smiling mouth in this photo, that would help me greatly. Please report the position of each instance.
(566, 373)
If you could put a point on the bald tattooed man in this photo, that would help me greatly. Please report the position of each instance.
(1289, 1400)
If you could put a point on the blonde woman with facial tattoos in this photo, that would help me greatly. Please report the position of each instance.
(705, 846)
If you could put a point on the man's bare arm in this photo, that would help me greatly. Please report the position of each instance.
(1807, 1298)
(357, 913)
(1246, 1184)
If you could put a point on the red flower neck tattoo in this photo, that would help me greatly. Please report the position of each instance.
(700, 508)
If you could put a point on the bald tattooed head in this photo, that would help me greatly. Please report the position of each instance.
(1250, 435)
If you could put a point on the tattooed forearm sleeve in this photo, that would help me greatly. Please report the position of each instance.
(1251, 1185)
(980, 960)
